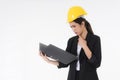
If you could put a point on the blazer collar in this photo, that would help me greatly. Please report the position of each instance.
(87, 37)
(76, 41)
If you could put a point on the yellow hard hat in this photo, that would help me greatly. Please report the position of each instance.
(75, 12)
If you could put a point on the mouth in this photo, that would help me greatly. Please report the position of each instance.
(75, 32)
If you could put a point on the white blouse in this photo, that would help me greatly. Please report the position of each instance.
(78, 53)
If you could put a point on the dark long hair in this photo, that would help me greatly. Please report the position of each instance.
(87, 24)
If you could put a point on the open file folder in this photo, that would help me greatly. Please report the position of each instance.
(57, 53)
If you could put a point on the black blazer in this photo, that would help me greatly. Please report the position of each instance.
(87, 66)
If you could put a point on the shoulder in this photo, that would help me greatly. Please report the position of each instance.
(72, 38)
(94, 37)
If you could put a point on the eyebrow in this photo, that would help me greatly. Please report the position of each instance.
(72, 25)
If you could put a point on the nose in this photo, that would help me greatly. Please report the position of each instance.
(74, 29)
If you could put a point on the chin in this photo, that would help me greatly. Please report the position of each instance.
(77, 34)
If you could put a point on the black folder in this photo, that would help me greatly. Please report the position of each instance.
(57, 53)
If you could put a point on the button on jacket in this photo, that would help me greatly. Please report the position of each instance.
(87, 66)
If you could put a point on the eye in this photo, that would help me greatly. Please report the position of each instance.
(73, 26)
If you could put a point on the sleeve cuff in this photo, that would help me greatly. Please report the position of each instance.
(92, 59)
(62, 65)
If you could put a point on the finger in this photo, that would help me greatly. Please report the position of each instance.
(79, 35)
(81, 38)
(45, 55)
(41, 54)
(40, 51)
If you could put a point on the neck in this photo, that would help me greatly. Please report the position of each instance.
(84, 34)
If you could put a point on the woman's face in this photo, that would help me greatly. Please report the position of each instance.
(77, 28)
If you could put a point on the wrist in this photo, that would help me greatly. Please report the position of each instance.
(85, 46)
(48, 61)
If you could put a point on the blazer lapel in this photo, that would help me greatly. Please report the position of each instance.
(75, 45)
(82, 53)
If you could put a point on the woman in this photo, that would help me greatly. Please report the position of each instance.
(85, 45)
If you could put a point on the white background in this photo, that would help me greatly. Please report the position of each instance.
(25, 23)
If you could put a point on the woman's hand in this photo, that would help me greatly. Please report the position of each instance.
(82, 42)
(48, 60)
(44, 57)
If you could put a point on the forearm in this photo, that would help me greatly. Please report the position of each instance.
(48, 60)
(87, 51)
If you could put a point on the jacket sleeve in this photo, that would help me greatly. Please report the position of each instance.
(95, 60)
(69, 44)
